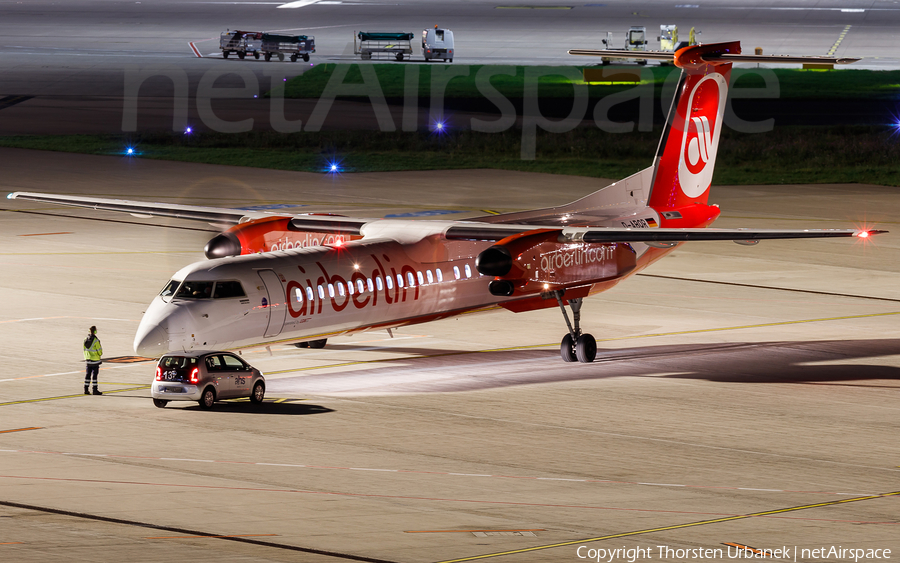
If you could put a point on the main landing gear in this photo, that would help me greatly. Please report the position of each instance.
(575, 345)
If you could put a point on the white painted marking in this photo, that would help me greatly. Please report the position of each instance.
(281, 464)
(471, 474)
(183, 459)
(662, 484)
(559, 479)
(370, 469)
(299, 4)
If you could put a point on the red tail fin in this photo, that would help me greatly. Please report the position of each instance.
(687, 151)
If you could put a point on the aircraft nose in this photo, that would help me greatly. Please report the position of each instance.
(151, 341)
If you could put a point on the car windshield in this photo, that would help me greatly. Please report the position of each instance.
(195, 290)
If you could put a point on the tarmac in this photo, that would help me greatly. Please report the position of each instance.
(742, 396)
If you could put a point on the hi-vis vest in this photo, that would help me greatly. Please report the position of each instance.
(93, 352)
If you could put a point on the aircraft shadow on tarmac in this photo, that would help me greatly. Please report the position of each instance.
(246, 407)
(823, 362)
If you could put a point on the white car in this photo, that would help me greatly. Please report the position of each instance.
(205, 377)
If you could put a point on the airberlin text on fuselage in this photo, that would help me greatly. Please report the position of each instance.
(569, 257)
(376, 283)
(286, 243)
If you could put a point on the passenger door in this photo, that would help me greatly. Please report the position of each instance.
(275, 305)
(239, 375)
(219, 376)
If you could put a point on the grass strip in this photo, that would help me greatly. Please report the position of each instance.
(392, 78)
(786, 155)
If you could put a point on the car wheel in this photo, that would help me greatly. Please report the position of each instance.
(306, 58)
(208, 398)
(160, 403)
(259, 392)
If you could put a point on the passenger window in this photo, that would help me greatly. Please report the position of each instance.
(440, 276)
(390, 282)
(369, 284)
(213, 363)
(456, 272)
(330, 290)
(350, 287)
(226, 289)
(309, 293)
(411, 281)
(321, 292)
(468, 271)
(421, 278)
(298, 295)
(340, 287)
(360, 286)
(378, 283)
(429, 275)
(231, 363)
(195, 290)
(399, 280)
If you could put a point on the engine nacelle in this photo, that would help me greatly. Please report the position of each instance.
(537, 261)
(267, 235)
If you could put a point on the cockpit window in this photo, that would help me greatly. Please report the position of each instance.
(195, 290)
(170, 288)
(225, 289)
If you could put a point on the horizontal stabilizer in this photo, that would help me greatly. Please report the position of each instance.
(732, 57)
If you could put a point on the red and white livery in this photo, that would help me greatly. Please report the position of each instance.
(299, 279)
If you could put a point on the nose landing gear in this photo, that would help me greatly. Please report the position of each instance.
(575, 345)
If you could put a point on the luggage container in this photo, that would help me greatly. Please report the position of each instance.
(256, 43)
(382, 44)
(437, 44)
(294, 46)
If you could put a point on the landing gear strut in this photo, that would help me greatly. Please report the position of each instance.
(575, 345)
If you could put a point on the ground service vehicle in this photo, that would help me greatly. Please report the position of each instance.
(377, 44)
(437, 44)
(300, 278)
(205, 377)
(635, 40)
(240, 43)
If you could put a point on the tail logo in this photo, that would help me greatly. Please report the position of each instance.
(702, 126)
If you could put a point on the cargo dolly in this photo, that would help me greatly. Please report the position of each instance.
(256, 43)
(375, 44)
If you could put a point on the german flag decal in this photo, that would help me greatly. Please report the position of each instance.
(652, 222)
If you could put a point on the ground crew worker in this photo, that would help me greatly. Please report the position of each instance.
(92, 354)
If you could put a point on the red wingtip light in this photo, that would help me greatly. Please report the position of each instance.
(195, 375)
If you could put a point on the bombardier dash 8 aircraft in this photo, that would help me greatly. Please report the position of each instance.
(301, 279)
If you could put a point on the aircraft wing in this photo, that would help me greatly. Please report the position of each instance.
(495, 232)
(139, 208)
(684, 235)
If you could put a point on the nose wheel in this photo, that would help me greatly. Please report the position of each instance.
(575, 345)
